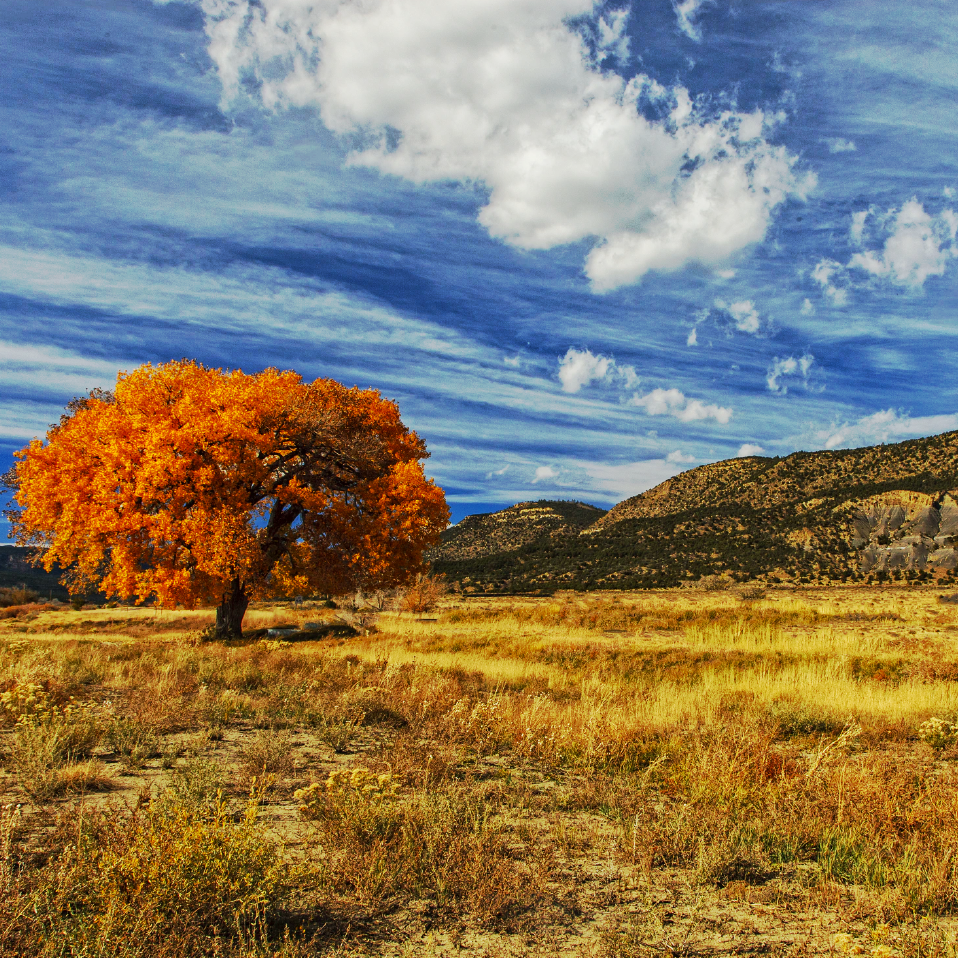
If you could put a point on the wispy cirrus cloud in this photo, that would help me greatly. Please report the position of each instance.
(687, 13)
(22, 419)
(28, 366)
(622, 480)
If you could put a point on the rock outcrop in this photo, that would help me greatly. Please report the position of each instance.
(906, 531)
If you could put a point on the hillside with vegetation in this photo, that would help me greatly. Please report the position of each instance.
(515, 527)
(17, 569)
(870, 514)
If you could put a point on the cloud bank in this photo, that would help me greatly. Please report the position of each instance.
(510, 95)
(884, 426)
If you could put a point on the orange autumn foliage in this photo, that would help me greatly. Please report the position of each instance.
(190, 485)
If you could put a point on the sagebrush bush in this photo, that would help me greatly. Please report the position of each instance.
(423, 594)
(134, 741)
(172, 878)
(715, 583)
(17, 595)
(269, 753)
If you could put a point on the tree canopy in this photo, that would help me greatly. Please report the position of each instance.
(197, 486)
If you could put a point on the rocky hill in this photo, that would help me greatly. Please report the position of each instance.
(837, 515)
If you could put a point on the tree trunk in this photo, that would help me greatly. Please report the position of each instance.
(229, 614)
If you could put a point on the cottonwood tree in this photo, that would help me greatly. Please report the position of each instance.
(197, 486)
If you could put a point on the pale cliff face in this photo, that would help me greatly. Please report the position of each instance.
(906, 530)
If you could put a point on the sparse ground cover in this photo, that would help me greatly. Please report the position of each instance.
(678, 773)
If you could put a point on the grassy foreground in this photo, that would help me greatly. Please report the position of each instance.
(666, 773)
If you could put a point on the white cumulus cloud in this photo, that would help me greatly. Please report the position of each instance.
(744, 314)
(749, 449)
(613, 40)
(673, 402)
(785, 372)
(679, 456)
(837, 144)
(918, 246)
(545, 473)
(506, 94)
(578, 368)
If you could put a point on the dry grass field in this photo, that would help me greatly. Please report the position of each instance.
(662, 773)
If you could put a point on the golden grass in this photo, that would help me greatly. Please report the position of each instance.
(715, 657)
(530, 746)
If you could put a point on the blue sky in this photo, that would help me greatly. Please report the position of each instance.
(584, 246)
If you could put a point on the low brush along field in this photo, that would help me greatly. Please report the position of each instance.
(660, 773)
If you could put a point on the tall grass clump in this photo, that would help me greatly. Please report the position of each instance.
(445, 846)
(51, 745)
